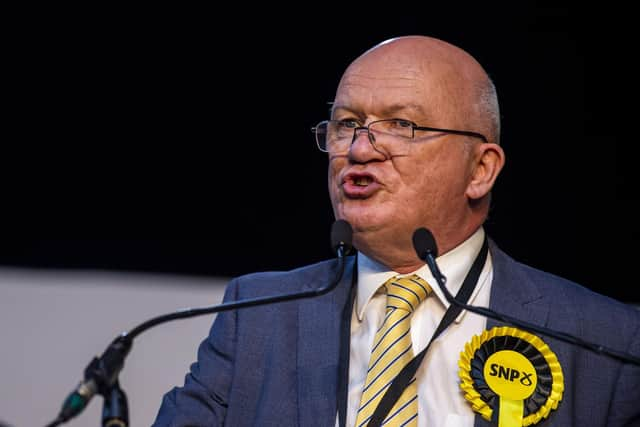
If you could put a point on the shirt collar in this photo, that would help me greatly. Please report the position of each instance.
(454, 265)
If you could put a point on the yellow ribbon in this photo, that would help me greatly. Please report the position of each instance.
(510, 414)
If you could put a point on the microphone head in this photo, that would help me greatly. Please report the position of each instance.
(341, 234)
(424, 243)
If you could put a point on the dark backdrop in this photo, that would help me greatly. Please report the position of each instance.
(178, 140)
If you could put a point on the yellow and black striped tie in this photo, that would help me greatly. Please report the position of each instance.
(392, 351)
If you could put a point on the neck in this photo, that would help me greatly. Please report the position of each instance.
(402, 258)
(399, 258)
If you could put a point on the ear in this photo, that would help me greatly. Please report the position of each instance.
(488, 162)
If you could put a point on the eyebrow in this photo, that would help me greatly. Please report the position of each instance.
(388, 111)
(395, 108)
(337, 107)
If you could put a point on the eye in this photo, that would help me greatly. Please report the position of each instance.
(401, 123)
(348, 123)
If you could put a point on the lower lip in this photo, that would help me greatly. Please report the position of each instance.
(353, 191)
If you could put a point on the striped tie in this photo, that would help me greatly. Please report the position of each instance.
(392, 351)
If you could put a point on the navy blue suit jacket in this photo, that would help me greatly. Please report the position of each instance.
(278, 365)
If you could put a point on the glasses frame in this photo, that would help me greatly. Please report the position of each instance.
(414, 128)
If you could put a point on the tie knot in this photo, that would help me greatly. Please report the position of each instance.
(406, 293)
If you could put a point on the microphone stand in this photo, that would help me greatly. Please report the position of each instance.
(101, 375)
(115, 410)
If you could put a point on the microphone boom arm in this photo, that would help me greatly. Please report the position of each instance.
(426, 254)
(192, 312)
(101, 375)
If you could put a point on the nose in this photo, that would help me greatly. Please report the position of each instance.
(363, 147)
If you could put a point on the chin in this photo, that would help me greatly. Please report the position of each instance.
(364, 220)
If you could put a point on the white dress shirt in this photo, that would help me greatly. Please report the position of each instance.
(440, 400)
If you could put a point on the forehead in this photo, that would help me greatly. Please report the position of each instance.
(377, 87)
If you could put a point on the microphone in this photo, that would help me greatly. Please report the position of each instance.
(425, 246)
(101, 375)
(341, 237)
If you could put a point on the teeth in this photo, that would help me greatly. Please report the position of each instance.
(362, 181)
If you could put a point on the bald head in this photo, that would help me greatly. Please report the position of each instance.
(448, 84)
(386, 186)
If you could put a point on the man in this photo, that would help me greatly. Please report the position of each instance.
(413, 141)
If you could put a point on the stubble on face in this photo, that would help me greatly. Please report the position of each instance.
(424, 188)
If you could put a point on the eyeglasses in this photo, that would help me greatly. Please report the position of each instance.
(395, 135)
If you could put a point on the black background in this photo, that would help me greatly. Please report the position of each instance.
(177, 140)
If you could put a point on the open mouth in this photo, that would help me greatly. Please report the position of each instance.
(359, 185)
(362, 181)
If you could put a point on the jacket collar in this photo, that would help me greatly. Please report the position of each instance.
(323, 322)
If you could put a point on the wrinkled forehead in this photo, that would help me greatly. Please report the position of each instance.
(376, 85)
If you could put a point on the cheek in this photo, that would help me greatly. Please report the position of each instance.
(335, 166)
(435, 181)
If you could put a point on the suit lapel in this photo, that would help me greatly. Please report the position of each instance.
(318, 351)
(513, 294)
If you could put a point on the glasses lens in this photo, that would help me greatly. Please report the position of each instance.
(334, 136)
(321, 135)
(394, 127)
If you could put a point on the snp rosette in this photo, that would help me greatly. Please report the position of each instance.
(510, 377)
